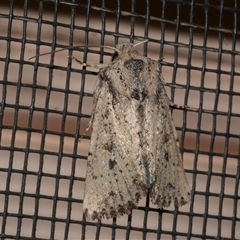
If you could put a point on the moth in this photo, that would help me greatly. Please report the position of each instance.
(134, 150)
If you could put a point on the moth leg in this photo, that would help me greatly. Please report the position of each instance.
(97, 65)
(90, 121)
(86, 130)
(174, 105)
(75, 59)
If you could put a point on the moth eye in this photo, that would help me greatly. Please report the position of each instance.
(114, 56)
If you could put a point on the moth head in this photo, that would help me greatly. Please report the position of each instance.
(125, 48)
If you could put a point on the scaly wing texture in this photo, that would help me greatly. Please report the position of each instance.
(134, 147)
(170, 183)
(113, 185)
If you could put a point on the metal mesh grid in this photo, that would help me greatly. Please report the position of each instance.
(46, 105)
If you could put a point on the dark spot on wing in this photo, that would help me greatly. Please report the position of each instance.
(135, 65)
(111, 164)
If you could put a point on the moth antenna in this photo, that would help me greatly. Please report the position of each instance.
(137, 44)
(60, 50)
(113, 48)
(73, 47)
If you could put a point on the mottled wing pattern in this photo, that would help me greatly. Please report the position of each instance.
(134, 148)
(113, 185)
(170, 184)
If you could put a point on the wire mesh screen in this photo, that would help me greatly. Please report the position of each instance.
(46, 105)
